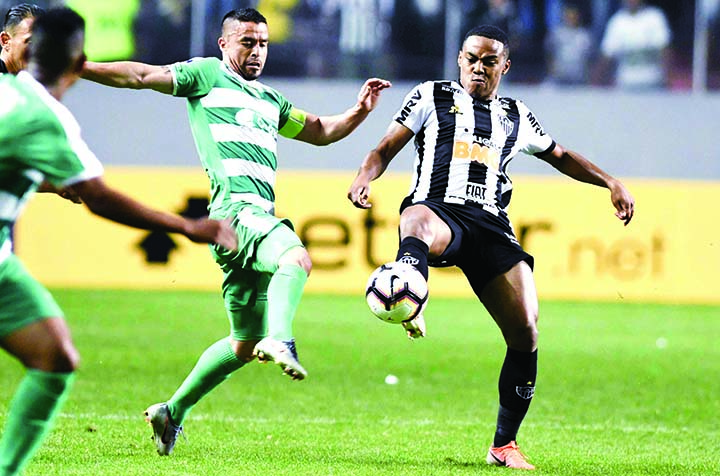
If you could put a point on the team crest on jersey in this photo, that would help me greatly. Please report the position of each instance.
(455, 109)
(507, 125)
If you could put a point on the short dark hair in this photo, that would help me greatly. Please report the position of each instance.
(492, 32)
(54, 35)
(243, 15)
(16, 14)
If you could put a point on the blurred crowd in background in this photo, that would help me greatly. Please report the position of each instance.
(632, 44)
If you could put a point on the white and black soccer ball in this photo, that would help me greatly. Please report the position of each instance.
(396, 292)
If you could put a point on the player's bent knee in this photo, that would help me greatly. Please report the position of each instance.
(70, 361)
(244, 350)
(298, 256)
(61, 358)
(66, 358)
(415, 222)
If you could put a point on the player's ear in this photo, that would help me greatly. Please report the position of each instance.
(459, 60)
(79, 64)
(4, 38)
(222, 43)
(506, 68)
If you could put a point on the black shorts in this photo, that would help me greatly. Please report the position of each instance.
(483, 246)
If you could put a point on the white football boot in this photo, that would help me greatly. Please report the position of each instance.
(165, 432)
(282, 353)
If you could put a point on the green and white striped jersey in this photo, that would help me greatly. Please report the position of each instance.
(235, 123)
(39, 140)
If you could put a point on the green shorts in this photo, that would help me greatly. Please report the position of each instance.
(23, 300)
(262, 239)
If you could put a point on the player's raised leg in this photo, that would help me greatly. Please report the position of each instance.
(284, 293)
(423, 235)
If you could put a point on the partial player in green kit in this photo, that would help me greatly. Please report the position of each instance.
(235, 121)
(40, 144)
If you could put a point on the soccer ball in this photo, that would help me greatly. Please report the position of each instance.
(396, 292)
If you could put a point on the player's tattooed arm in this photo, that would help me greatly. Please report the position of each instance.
(130, 74)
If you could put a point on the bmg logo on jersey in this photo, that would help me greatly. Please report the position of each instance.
(477, 152)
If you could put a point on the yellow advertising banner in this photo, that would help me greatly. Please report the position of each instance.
(667, 253)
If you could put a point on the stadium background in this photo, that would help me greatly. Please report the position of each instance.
(658, 142)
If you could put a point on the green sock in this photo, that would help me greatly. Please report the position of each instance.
(30, 415)
(212, 368)
(284, 293)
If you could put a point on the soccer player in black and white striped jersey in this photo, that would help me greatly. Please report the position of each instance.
(455, 215)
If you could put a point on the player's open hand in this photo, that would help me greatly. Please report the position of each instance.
(213, 231)
(370, 93)
(359, 192)
(624, 202)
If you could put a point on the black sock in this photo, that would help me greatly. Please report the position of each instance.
(414, 251)
(517, 387)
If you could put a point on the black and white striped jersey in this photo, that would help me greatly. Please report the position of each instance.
(463, 146)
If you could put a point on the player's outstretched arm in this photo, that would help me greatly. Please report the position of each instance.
(324, 130)
(375, 163)
(118, 207)
(578, 167)
(130, 74)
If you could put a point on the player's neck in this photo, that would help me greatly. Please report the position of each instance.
(9, 65)
(56, 86)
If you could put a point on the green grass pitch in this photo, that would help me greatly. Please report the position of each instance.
(623, 389)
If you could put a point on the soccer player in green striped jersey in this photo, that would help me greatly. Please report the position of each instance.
(40, 141)
(235, 120)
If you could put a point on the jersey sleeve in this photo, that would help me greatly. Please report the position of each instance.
(61, 154)
(290, 119)
(194, 77)
(532, 137)
(416, 108)
(46, 138)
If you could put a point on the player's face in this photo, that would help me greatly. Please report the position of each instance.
(482, 63)
(244, 46)
(14, 44)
